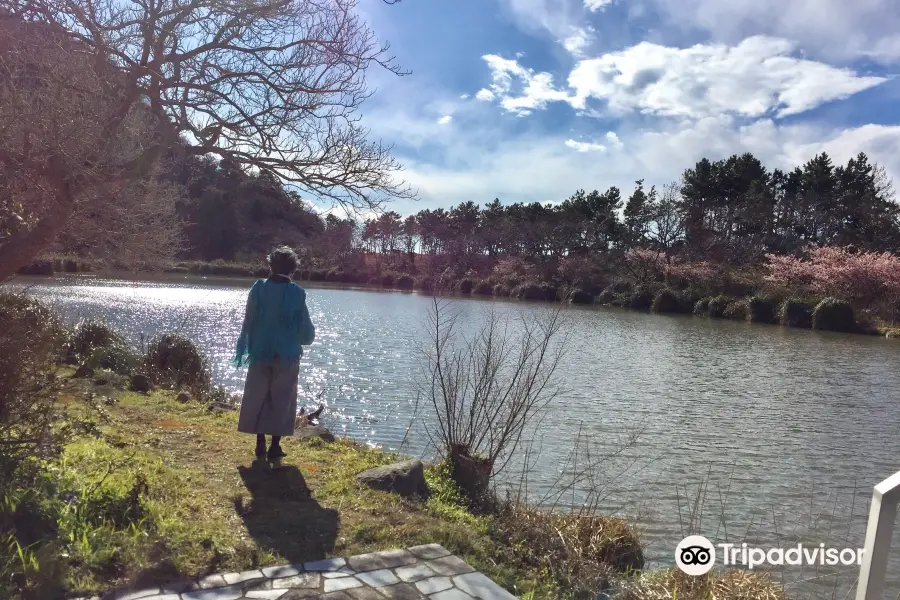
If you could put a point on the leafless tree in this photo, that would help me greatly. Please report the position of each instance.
(93, 92)
(485, 385)
(666, 222)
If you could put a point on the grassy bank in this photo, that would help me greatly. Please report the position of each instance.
(158, 490)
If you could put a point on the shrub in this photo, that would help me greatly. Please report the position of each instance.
(761, 309)
(118, 358)
(550, 292)
(30, 336)
(716, 307)
(425, 284)
(405, 282)
(387, 280)
(832, 314)
(607, 296)
(528, 291)
(620, 287)
(174, 361)
(501, 291)
(641, 298)
(317, 275)
(40, 267)
(466, 286)
(70, 266)
(666, 301)
(795, 313)
(483, 288)
(701, 308)
(579, 296)
(737, 310)
(91, 334)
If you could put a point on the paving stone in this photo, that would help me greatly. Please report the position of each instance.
(266, 594)
(340, 595)
(211, 582)
(434, 585)
(378, 578)
(135, 594)
(257, 584)
(180, 586)
(297, 594)
(347, 570)
(232, 578)
(414, 573)
(331, 564)
(381, 560)
(334, 575)
(364, 593)
(429, 551)
(282, 571)
(449, 566)
(232, 592)
(163, 597)
(334, 585)
(480, 586)
(401, 591)
(451, 594)
(305, 580)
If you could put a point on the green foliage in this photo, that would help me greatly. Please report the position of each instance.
(716, 307)
(405, 282)
(446, 501)
(118, 358)
(641, 298)
(761, 309)
(92, 334)
(174, 361)
(737, 310)
(832, 314)
(483, 288)
(701, 308)
(795, 313)
(666, 301)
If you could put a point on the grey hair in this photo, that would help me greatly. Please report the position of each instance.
(283, 261)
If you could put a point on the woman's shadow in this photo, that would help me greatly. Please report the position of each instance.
(281, 515)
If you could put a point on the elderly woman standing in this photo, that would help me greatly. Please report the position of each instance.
(276, 326)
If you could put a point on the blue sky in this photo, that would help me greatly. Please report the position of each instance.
(530, 100)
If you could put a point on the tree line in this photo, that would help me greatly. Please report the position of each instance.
(732, 211)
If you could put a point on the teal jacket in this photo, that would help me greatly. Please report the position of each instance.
(276, 324)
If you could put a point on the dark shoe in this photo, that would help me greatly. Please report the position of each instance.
(275, 453)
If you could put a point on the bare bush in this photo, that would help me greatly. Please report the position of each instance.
(486, 385)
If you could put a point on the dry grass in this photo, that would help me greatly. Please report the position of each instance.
(672, 584)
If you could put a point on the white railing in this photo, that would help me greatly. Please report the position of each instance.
(882, 514)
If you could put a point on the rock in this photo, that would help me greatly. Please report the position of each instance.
(84, 372)
(406, 478)
(140, 383)
(894, 334)
(309, 432)
(101, 381)
(183, 397)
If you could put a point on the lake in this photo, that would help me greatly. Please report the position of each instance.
(740, 432)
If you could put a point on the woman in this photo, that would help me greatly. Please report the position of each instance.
(276, 326)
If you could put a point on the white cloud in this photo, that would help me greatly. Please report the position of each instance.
(613, 140)
(833, 29)
(444, 120)
(595, 5)
(484, 95)
(578, 41)
(585, 146)
(756, 78)
(464, 97)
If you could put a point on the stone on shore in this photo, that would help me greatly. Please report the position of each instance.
(140, 383)
(406, 478)
(308, 432)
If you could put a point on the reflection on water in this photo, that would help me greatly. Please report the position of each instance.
(779, 434)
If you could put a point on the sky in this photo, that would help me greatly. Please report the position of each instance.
(531, 100)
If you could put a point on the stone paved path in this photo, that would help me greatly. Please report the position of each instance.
(412, 574)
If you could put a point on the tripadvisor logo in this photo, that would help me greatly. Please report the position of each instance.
(696, 555)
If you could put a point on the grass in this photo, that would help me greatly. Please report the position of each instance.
(672, 584)
(161, 491)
